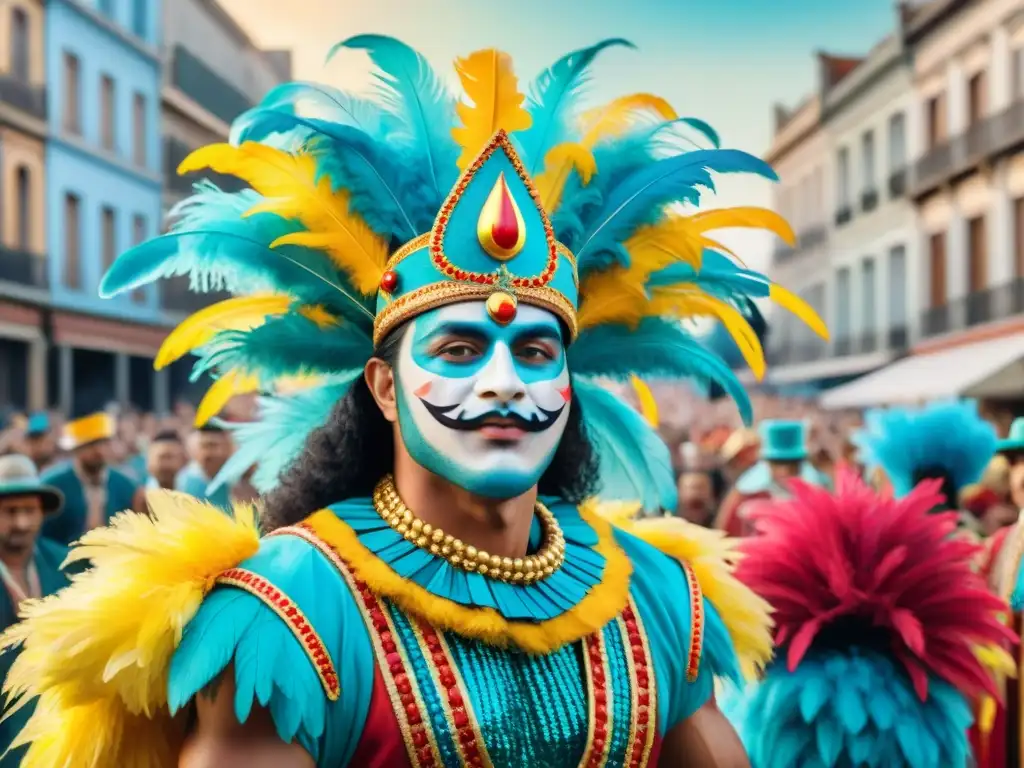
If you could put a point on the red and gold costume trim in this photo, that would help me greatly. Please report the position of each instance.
(597, 671)
(290, 614)
(642, 687)
(696, 649)
(455, 701)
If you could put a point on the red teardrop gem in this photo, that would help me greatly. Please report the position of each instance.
(505, 229)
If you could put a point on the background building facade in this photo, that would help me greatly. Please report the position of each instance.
(24, 274)
(103, 194)
(213, 72)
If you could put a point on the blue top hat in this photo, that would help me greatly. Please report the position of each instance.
(1014, 442)
(783, 440)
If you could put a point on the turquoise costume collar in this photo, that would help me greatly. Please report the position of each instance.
(758, 479)
(549, 598)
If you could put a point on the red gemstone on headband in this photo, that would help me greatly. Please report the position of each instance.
(389, 281)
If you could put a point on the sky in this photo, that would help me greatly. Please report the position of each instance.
(724, 61)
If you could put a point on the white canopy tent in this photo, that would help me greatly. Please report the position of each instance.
(993, 368)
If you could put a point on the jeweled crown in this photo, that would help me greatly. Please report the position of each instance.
(492, 240)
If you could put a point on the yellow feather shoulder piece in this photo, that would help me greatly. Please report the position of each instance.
(489, 82)
(713, 558)
(97, 654)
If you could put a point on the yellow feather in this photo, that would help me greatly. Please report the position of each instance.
(713, 558)
(219, 394)
(618, 116)
(289, 184)
(320, 316)
(690, 303)
(237, 314)
(648, 405)
(97, 653)
(793, 303)
(742, 217)
(490, 84)
(607, 296)
(559, 162)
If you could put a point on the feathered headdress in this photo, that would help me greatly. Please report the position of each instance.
(363, 213)
(947, 437)
(878, 617)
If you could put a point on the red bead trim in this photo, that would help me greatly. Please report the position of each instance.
(500, 141)
(597, 672)
(289, 612)
(642, 688)
(406, 699)
(696, 648)
(451, 688)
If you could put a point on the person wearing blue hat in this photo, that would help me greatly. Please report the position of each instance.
(784, 456)
(38, 442)
(29, 565)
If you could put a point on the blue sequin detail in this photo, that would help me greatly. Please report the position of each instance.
(619, 694)
(582, 570)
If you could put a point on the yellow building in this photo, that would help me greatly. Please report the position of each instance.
(23, 268)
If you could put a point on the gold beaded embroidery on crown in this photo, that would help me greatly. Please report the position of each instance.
(525, 570)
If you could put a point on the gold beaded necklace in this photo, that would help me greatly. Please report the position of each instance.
(520, 570)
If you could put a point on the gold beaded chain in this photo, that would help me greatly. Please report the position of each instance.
(520, 570)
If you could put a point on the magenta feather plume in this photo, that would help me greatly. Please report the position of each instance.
(876, 566)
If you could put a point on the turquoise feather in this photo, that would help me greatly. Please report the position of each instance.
(950, 435)
(656, 349)
(671, 180)
(412, 91)
(552, 102)
(287, 345)
(285, 423)
(634, 461)
(841, 710)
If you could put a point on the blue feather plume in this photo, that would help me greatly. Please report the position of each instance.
(655, 349)
(328, 104)
(274, 441)
(673, 179)
(287, 345)
(720, 343)
(634, 461)
(553, 96)
(718, 275)
(411, 89)
(846, 709)
(951, 436)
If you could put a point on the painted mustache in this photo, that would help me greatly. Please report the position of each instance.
(511, 419)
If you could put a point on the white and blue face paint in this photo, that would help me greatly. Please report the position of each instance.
(483, 405)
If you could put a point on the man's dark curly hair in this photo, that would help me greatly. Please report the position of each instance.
(346, 457)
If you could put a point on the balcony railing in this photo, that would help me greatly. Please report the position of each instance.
(807, 239)
(28, 269)
(997, 303)
(175, 151)
(842, 346)
(204, 86)
(26, 97)
(897, 338)
(897, 183)
(868, 342)
(868, 200)
(843, 215)
(986, 139)
(178, 298)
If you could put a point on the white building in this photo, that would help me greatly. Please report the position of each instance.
(967, 286)
(874, 243)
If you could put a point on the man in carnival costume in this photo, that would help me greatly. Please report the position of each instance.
(945, 441)
(433, 587)
(881, 624)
